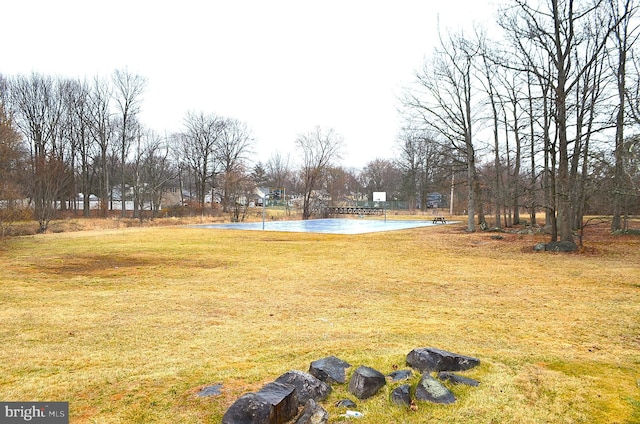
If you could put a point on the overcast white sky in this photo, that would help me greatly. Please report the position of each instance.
(282, 67)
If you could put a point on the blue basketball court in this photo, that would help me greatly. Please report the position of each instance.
(326, 226)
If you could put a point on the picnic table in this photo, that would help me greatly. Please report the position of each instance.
(439, 219)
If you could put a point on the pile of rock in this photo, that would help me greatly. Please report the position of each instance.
(296, 394)
(556, 246)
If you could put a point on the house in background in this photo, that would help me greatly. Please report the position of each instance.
(435, 200)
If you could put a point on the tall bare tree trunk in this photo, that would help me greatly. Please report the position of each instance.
(623, 42)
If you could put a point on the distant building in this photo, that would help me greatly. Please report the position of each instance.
(435, 200)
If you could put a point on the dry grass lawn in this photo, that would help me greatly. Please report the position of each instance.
(128, 324)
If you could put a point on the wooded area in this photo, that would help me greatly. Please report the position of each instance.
(543, 117)
(550, 103)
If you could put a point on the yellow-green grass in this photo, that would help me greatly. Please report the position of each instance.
(128, 324)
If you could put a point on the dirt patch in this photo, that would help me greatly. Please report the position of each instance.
(91, 264)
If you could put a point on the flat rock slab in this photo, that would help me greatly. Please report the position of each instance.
(346, 403)
(399, 375)
(428, 359)
(431, 390)
(275, 403)
(457, 379)
(365, 382)
(330, 370)
(307, 386)
(210, 390)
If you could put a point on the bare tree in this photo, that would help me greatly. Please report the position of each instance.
(13, 167)
(489, 82)
(151, 171)
(624, 36)
(231, 153)
(52, 181)
(339, 184)
(241, 188)
(38, 106)
(446, 102)
(411, 161)
(135, 168)
(513, 110)
(76, 130)
(278, 175)
(278, 171)
(128, 97)
(531, 185)
(175, 143)
(198, 146)
(591, 113)
(101, 129)
(319, 149)
(548, 36)
(632, 171)
(382, 175)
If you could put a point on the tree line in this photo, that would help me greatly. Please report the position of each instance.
(540, 119)
(63, 140)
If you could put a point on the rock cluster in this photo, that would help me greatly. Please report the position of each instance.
(431, 359)
(295, 396)
(280, 401)
(556, 246)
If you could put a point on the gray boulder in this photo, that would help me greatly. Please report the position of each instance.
(275, 403)
(431, 390)
(330, 370)
(429, 359)
(248, 409)
(313, 414)
(561, 246)
(457, 379)
(307, 386)
(365, 382)
(401, 395)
